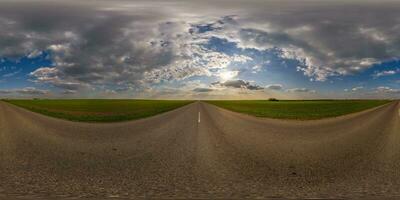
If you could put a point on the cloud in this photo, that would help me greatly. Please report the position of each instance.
(67, 92)
(388, 90)
(34, 54)
(274, 87)
(202, 90)
(25, 91)
(355, 89)
(302, 90)
(324, 43)
(52, 75)
(318, 61)
(93, 46)
(31, 91)
(385, 73)
(45, 74)
(238, 84)
(227, 75)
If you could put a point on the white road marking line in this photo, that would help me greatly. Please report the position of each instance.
(199, 118)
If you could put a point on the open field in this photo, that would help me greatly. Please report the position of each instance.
(99, 110)
(303, 110)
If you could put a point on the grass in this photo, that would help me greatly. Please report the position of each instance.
(302, 110)
(99, 110)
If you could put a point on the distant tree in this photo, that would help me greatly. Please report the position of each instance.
(273, 99)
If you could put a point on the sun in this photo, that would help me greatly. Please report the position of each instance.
(228, 75)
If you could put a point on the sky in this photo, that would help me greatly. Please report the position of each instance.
(192, 49)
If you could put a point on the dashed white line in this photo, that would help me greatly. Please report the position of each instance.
(198, 118)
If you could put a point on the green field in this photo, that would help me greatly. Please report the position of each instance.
(99, 110)
(302, 110)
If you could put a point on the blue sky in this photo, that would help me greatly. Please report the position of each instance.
(14, 72)
(240, 51)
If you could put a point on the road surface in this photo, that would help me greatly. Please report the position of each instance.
(201, 151)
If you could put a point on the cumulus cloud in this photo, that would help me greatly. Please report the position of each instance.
(325, 44)
(95, 45)
(238, 84)
(90, 46)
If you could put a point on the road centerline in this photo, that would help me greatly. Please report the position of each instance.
(198, 121)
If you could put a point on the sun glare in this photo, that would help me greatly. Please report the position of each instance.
(228, 75)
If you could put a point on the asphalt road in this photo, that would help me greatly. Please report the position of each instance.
(201, 151)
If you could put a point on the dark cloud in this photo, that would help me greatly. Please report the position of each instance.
(88, 45)
(238, 84)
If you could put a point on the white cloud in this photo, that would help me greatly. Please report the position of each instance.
(385, 73)
(358, 88)
(59, 48)
(34, 54)
(45, 74)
